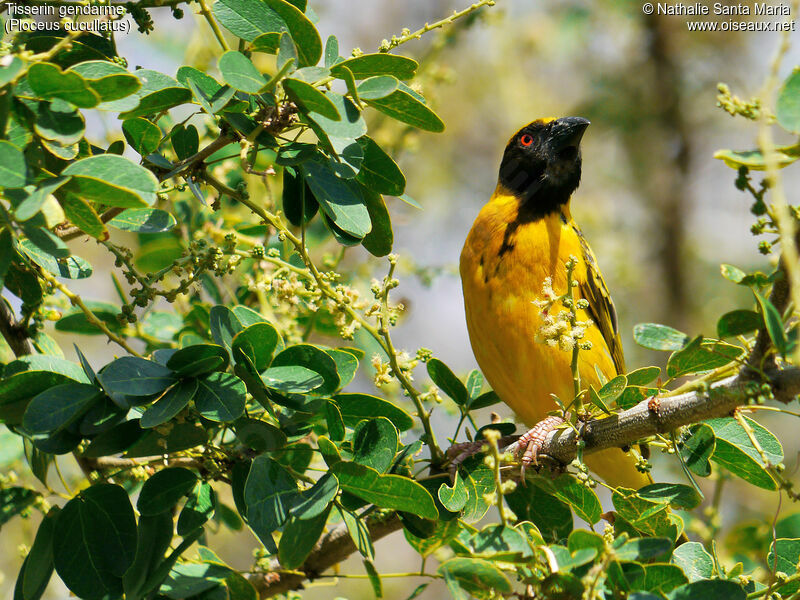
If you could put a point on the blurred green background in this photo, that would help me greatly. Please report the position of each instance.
(659, 211)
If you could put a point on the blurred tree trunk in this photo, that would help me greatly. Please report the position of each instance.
(667, 187)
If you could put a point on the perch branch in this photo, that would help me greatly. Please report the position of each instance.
(333, 548)
(660, 415)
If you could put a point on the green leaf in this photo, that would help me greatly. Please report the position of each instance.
(310, 98)
(170, 404)
(486, 399)
(676, 494)
(660, 578)
(143, 220)
(451, 385)
(73, 267)
(359, 533)
(94, 541)
(375, 88)
(735, 451)
(375, 443)
(304, 34)
(212, 96)
(569, 490)
(702, 355)
(198, 509)
(711, 589)
(444, 533)
(552, 516)
(13, 169)
(787, 106)
(220, 397)
(270, 493)
(46, 241)
(372, 65)
(346, 364)
(42, 201)
(612, 390)
(240, 73)
(694, 560)
(659, 337)
(14, 500)
(386, 491)
(378, 171)
(198, 359)
(331, 51)
(299, 538)
(39, 563)
(59, 406)
(784, 555)
(164, 490)
(111, 180)
(500, 542)
(224, 325)
(404, 107)
(349, 126)
(182, 436)
(640, 549)
(754, 159)
(355, 407)
(258, 342)
(479, 482)
(317, 498)
(9, 72)
(158, 101)
(247, 19)
(773, 322)
(154, 537)
(185, 141)
(697, 450)
(142, 135)
(48, 81)
(84, 216)
(292, 379)
(738, 322)
(476, 576)
(62, 123)
(134, 376)
(74, 320)
(313, 359)
(454, 498)
(108, 80)
(258, 435)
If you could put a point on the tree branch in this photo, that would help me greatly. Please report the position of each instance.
(333, 548)
(660, 415)
(16, 336)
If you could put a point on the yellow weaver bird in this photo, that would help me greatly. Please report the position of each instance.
(522, 236)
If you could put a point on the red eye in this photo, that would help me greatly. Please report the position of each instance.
(526, 140)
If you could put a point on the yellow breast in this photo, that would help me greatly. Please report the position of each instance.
(503, 266)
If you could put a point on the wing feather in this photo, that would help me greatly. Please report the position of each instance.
(601, 307)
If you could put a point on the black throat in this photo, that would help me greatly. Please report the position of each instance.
(538, 194)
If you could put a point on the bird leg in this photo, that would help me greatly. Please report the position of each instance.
(530, 443)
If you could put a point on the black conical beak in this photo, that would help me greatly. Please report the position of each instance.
(568, 131)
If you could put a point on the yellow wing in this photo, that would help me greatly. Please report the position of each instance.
(601, 307)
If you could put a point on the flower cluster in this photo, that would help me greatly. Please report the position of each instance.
(561, 329)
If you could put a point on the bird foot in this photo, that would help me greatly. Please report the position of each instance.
(530, 444)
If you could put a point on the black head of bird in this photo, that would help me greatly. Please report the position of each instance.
(542, 163)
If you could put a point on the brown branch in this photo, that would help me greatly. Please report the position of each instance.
(660, 415)
(16, 336)
(333, 548)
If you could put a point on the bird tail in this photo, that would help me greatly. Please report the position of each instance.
(617, 468)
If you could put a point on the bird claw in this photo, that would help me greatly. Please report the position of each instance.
(531, 442)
